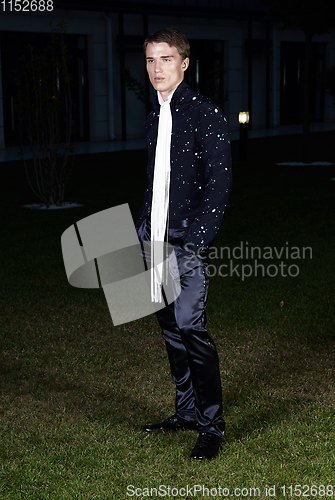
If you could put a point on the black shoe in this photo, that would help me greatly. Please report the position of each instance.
(207, 446)
(174, 423)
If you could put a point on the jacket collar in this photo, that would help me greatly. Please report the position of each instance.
(178, 93)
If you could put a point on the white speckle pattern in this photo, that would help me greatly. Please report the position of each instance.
(200, 163)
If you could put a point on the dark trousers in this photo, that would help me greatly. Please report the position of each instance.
(192, 353)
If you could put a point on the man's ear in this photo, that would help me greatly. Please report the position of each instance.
(185, 64)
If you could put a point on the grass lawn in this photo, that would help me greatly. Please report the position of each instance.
(75, 390)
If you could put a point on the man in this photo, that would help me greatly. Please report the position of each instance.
(189, 179)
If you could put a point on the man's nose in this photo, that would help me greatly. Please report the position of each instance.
(158, 67)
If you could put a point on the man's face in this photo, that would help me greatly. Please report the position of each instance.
(165, 67)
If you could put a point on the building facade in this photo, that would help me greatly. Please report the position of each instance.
(239, 57)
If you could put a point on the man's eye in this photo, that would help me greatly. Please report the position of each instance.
(166, 60)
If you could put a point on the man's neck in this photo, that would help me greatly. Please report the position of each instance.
(165, 95)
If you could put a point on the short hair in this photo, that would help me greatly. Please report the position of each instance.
(172, 37)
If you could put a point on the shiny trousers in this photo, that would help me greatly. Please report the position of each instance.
(192, 353)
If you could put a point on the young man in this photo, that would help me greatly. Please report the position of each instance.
(189, 179)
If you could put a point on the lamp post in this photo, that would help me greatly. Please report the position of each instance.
(243, 118)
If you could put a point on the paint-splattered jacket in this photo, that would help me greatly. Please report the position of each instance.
(200, 164)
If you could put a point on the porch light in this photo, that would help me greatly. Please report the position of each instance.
(243, 117)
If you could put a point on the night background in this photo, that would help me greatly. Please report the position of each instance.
(75, 389)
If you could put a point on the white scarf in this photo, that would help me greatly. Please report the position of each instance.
(160, 197)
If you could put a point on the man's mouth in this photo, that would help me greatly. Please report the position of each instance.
(158, 79)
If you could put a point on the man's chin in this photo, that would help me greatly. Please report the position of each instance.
(159, 86)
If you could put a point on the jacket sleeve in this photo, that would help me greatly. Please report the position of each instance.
(150, 127)
(144, 210)
(213, 139)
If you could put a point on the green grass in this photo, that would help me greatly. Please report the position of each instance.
(75, 390)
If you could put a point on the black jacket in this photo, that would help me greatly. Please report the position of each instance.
(200, 164)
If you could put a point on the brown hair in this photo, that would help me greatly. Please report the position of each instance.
(172, 37)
